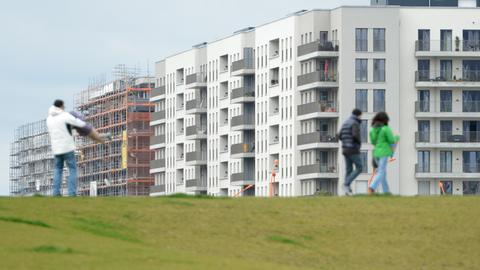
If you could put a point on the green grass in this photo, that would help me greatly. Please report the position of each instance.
(180, 232)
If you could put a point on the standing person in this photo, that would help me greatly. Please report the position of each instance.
(351, 143)
(63, 145)
(383, 140)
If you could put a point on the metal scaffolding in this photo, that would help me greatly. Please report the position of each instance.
(31, 161)
(121, 167)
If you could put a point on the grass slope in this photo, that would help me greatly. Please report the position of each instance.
(203, 233)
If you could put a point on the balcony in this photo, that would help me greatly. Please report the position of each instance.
(158, 93)
(158, 116)
(243, 67)
(196, 133)
(317, 109)
(242, 150)
(447, 109)
(242, 95)
(157, 190)
(317, 49)
(157, 140)
(196, 183)
(450, 49)
(242, 179)
(447, 140)
(447, 170)
(196, 158)
(319, 139)
(317, 170)
(317, 79)
(196, 80)
(196, 106)
(427, 78)
(242, 122)
(157, 165)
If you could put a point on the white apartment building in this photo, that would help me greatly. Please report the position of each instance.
(227, 110)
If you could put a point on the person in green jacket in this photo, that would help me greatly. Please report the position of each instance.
(382, 138)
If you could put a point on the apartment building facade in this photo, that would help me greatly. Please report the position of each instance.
(276, 95)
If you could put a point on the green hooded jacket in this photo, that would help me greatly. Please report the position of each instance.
(382, 138)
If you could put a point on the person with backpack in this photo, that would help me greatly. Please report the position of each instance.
(351, 139)
(382, 138)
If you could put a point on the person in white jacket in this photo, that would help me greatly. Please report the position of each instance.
(63, 145)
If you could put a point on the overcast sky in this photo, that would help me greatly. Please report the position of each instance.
(51, 49)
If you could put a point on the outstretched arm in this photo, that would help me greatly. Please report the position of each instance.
(76, 122)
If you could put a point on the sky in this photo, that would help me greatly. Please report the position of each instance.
(52, 49)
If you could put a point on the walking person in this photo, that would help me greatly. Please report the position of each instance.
(63, 145)
(351, 143)
(382, 138)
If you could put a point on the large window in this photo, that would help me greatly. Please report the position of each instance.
(361, 70)
(471, 130)
(379, 39)
(471, 161)
(423, 101)
(361, 39)
(364, 158)
(446, 161)
(423, 73)
(423, 131)
(423, 165)
(471, 40)
(446, 40)
(471, 187)
(446, 127)
(378, 100)
(446, 70)
(361, 99)
(423, 43)
(378, 70)
(471, 101)
(364, 131)
(445, 101)
(471, 70)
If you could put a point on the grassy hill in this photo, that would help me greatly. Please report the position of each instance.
(205, 233)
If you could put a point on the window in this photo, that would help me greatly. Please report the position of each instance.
(364, 158)
(471, 187)
(361, 70)
(361, 39)
(423, 101)
(378, 70)
(423, 73)
(379, 39)
(423, 43)
(361, 99)
(446, 130)
(446, 187)
(471, 161)
(446, 70)
(445, 101)
(471, 40)
(423, 165)
(471, 101)
(423, 188)
(446, 161)
(471, 70)
(471, 131)
(364, 131)
(446, 40)
(378, 100)
(423, 131)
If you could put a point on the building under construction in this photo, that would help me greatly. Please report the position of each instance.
(121, 166)
(31, 161)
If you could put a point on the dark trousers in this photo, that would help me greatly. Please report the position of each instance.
(351, 174)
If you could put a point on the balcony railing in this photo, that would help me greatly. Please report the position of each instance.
(236, 177)
(157, 164)
(471, 106)
(195, 130)
(242, 148)
(446, 167)
(247, 63)
(196, 78)
(317, 76)
(196, 104)
(424, 106)
(157, 139)
(158, 91)
(196, 156)
(317, 137)
(157, 189)
(199, 183)
(318, 46)
(447, 45)
(158, 115)
(242, 120)
(448, 137)
(317, 168)
(242, 92)
(443, 76)
(318, 106)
